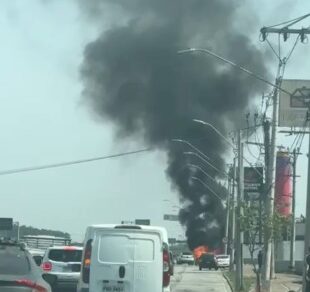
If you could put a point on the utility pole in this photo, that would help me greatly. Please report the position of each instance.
(228, 200)
(233, 217)
(307, 227)
(286, 31)
(267, 199)
(293, 224)
(239, 233)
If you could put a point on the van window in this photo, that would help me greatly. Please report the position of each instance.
(122, 249)
(144, 250)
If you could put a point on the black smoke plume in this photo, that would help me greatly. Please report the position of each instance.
(134, 77)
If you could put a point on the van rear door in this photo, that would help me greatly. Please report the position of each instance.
(126, 261)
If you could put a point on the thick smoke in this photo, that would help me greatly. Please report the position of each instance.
(134, 77)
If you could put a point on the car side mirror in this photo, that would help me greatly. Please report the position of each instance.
(49, 278)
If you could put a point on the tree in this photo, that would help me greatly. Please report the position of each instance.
(276, 225)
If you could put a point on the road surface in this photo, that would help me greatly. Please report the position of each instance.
(190, 279)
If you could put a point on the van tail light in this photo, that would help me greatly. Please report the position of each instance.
(47, 266)
(166, 268)
(30, 284)
(86, 262)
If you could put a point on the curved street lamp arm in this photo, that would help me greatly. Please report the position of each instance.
(206, 186)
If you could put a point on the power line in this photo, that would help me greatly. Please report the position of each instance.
(68, 163)
(290, 21)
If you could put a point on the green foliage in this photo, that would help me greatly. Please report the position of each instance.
(276, 225)
(28, 230)
(249, 281)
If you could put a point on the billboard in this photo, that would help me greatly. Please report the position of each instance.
(293, 107)
(171, 217)
(6, 224)
(253, 183)
(143, 222)
(283, 187)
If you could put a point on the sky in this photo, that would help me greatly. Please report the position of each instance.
(43, 119)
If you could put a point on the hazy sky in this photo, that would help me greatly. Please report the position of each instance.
(43, 120)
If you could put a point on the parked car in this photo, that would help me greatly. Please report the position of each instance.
(187, 258)
(129, 258)
(208, 261)
(64, 262)
(19, 272)
(223, 260)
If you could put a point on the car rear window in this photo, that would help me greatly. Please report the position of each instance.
(208, 256)
(222, 257)
(13, 261)
(122, 249)
(61, 255)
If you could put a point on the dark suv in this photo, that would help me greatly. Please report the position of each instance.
(208, 261)
(18, 270)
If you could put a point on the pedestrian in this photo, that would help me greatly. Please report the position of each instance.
(260, 260)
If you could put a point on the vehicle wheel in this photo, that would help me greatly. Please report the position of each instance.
(200, 268)
(216, 268)
(210, 268)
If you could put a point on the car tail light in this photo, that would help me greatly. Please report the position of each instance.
(87, 261)
(30, 284)
(47, 266)
(166, 268)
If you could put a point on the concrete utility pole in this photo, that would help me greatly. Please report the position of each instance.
(233, 217)
(239, 233)
(267, 237)
(268, 271)
(228, 212)
(293, 224)
(307, 229)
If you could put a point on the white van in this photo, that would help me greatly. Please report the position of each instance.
(125, 258)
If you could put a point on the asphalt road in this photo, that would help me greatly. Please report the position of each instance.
(190, 279)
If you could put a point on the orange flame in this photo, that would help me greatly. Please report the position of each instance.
(200, 250)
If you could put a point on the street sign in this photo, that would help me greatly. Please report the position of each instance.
(293, 108)
(143, 222)
(253, 182)
(171, 217)
(6, 224)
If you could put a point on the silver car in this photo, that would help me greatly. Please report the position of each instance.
(19, 272)
(64, 262)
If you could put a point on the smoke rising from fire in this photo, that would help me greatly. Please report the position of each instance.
(134, 78)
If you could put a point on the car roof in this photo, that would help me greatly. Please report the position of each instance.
(161, 229)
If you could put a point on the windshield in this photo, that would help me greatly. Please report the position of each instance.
(13, 261)
(59, 255)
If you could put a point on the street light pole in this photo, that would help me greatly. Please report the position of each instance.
(216, 130)
(192, 146)
(202, 170)
(207, 187)
(228, 200)
(207, 162)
